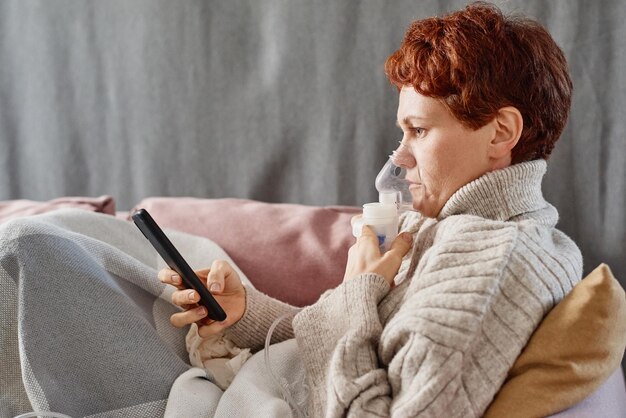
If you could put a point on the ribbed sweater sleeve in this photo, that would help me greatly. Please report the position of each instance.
(344, 323)
(415, 366)
(261, 311)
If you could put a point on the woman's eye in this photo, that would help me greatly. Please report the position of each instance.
(413, 131)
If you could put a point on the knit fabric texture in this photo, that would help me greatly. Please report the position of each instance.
(477, 282)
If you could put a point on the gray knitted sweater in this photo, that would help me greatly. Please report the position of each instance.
(470, 293)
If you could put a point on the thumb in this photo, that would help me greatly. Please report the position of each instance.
(393, 258)
(215, 281)
(222, 278)
(401, 245)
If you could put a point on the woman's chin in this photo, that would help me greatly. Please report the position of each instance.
(418, 207)
(424, 209)
(418, 202)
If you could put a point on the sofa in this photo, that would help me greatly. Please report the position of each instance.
(570, 367)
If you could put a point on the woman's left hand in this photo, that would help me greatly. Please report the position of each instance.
(365, 257)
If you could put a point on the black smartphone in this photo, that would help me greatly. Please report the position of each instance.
(176, 262)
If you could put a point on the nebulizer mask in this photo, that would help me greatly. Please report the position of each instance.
(394, 198)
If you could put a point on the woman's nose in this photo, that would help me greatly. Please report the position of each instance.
(402, 157)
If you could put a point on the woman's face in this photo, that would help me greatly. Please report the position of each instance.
(440, 154)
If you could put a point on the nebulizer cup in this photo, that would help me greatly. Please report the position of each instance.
(393, 186)
(394, 198)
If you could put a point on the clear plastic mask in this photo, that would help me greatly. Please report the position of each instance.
(391, 181)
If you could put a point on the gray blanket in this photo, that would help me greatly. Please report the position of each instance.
(85, 327)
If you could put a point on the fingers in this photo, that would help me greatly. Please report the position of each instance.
(185, 318)
(364, 230)
(169, 276)
(368, 234)
(368, 231)
(220, 278)
(355, 218)
(209, 328)
(368, 242)
(185, 297)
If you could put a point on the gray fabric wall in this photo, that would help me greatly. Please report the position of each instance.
(280, 101)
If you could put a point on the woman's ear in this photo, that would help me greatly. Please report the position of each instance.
(508, 129)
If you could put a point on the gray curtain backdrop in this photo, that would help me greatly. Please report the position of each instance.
(280, 101)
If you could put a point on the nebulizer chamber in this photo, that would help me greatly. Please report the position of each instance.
(394, 198)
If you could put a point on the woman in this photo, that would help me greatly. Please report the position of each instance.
(432, 327)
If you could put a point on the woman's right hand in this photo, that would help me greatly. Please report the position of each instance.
(224, 284)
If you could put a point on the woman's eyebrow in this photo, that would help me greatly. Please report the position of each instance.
(408, 119)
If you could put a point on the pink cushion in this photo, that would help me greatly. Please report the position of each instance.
(291, 252)
(11, 209)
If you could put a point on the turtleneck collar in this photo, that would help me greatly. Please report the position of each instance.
(511, 193)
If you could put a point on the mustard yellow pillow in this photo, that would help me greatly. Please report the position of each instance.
(573, 351)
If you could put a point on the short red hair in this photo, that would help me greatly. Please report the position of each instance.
(477, 61)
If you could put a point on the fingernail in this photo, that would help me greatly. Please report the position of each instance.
(191, 295)
(407, 237)
(201, 310)
(215, 287)
(176, 279)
